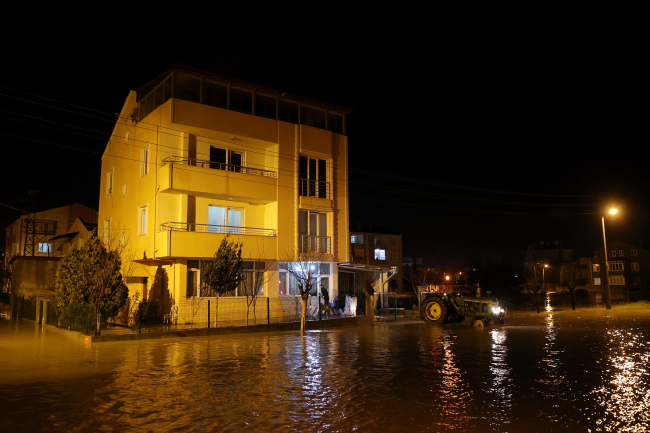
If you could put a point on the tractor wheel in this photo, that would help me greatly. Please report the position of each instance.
(478, 322)
(434, 310)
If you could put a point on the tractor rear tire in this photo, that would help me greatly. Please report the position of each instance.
(434, 310)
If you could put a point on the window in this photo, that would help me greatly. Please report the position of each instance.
(312, 117)
(335, 123)
(616, 266)
(380, 254)
(635, 266)
(241, 100)
(596, 281)
(142, 220)
(596, 267)
(44, 248)
(393, 241)
(225, 219)
(265, 106)
(379, 241)
(144, 161)
(393, 256)
(250, 269)
(107, 228)
(215, 94)
(193, 279)
(158, 98)
(621, 253)
(617, 280)
(356, 239)
(313, 177)
(633, 252)
(288, 111)
(187, 87)
(612, 253)
(393, 269)
(109, 181)
(283, 282)
(225, 159)
(167, 90)
(636, 281)
(312, 228)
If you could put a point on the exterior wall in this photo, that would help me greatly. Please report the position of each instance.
(183, 193)
(33, 276)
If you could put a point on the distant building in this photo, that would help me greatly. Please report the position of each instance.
(409, 261)
(378, 246)
(629, 270)
(551, 254)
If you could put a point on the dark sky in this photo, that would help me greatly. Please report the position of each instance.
(468, 138)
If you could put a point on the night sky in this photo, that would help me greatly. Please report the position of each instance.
(471, 140)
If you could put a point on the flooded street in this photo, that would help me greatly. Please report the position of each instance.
(576, 371)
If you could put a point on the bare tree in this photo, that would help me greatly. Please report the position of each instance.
(305, 269)
(571, 277)
(534, 283)
(253, 282)
(418, 275)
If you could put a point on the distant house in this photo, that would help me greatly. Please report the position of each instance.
(38, 241)
(377, 246)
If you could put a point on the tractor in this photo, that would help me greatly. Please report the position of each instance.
(447, 308)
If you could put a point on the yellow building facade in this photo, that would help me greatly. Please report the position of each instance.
(195, 157)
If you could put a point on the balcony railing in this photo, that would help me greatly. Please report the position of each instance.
(314, 188)
(213, 228)
(218, 166)
(315, 244)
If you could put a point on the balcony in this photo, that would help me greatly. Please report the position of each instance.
(201, 241)
(315, 193)
(210, 179)
(315, 244)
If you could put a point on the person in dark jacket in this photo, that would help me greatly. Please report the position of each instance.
(326, 295)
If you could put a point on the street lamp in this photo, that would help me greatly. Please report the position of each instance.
(608, 296)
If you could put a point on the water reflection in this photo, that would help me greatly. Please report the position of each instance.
(455, 394)
(624, 394)
(502, 382)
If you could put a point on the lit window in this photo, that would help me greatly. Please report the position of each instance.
(144, 161)
(394, 269)
(596, 267)
(44, 248)
(356, 239)
(617, 280)
(616, 266)
(142, 220)
(633, 252)
(224, 219)
(380, 254)
(635, 266)
(109, 181)
(596, 281)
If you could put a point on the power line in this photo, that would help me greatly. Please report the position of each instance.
(14, 208)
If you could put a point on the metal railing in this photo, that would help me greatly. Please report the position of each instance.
(218, 166)
(315, 244)
(213, 228)
(315, 188)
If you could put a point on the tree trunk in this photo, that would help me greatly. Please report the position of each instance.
(370, 308)
(573, 299)
(303, 319)
(99, 320)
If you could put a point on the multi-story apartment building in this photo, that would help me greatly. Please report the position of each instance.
(377, 246)
(629, 269)
(195, 157)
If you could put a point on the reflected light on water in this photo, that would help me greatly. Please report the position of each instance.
(548, 303)
(625, 395)
(501, 387)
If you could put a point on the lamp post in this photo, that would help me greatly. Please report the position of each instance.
(608, 296)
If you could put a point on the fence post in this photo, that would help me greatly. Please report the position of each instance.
(208, 314)
(268, 311)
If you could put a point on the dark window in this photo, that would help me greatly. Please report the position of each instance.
(217, 158)
(313, 177)
(265, 106)
(187, 88)
(215, 94)
(288, 111)
(143, 108)
(235, 161)
(159, 96)
(150, 107)
(241, 100)
(312, 117)
(168, 89)
(335, 123)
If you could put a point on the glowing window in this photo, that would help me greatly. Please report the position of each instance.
(380, 254)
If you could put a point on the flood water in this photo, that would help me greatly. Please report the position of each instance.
(560, 371)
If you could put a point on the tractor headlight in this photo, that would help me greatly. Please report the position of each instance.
(497, 310)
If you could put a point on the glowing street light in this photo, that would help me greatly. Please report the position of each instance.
(608, 296)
